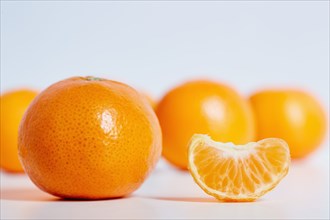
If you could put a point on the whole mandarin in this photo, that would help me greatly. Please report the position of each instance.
(204, 107)
(89, 138)
(13, 105)
(293, 115)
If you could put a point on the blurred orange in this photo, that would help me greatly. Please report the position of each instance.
(13, 106)
(292, 115)
(91, 138)
(204, 107)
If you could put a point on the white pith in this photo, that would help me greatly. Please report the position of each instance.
(236, 152)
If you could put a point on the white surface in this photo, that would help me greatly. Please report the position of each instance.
(170, 193)
(154, 46)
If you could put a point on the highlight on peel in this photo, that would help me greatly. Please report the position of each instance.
(237, 172)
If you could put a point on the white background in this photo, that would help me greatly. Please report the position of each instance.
(155, 45)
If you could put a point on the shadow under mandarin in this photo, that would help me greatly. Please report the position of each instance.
(26, 194)
(30, 194)
(186, 199)
(200, 200)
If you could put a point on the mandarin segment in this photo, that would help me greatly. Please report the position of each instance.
(238, 172)
(89, 138)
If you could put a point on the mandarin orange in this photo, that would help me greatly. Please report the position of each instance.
(202, 106)
(13, 106)
(89, 138)
(292, 115)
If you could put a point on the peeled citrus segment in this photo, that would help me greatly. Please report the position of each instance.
(237, 172)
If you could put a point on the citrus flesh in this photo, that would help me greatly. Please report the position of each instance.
(238, 172)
